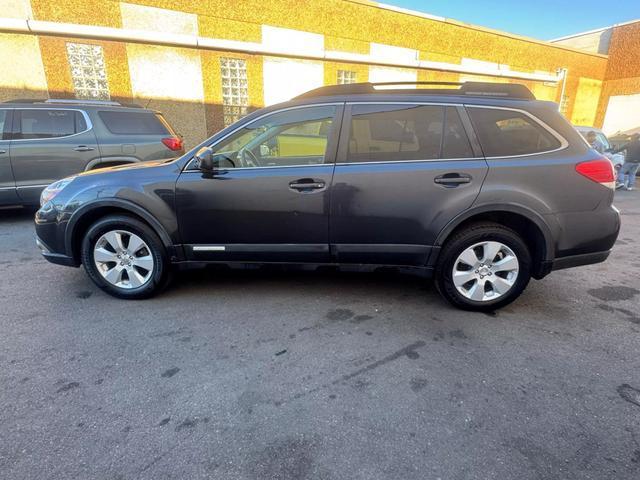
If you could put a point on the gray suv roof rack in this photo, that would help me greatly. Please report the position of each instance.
(476, 89)
(67, 101)
(83, 102)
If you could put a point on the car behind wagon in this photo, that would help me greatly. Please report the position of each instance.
(45, 140)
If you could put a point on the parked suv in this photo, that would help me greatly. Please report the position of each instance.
(46, 140)
(480, 186)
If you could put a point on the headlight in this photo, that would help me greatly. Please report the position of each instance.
(54, 189)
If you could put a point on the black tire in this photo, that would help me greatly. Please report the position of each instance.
(161, 273)
(462, 240)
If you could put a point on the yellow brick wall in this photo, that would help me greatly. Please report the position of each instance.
(347, 25)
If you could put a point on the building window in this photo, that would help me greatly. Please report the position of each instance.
(235, 89)
(88, 71)
(346, 76)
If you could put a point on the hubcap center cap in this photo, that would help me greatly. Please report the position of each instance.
(484, 271)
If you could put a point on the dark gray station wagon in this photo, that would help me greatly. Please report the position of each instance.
(45, 140)
(479, 185)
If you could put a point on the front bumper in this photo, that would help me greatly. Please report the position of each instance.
(57, 258)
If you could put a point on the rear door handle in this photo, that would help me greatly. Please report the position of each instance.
(2, 151)
(83, 148)
(306, 185)
(452, 179)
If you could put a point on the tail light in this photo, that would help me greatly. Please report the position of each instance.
(173, 143)
(599, 171)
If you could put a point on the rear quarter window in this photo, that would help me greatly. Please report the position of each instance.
(134, 123)
(505, 133)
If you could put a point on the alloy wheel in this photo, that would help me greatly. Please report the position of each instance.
(485, 271)
(123, 259)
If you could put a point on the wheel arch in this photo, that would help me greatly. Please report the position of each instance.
(88, 214)
(531, 226)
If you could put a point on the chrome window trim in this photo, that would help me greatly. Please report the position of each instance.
(413, 161)
(84, 114)
(563, 141)
(188, 168)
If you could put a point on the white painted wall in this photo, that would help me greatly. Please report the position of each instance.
(285, 78)
(623, 113)
(391, 53)
(163, 72)
(16, 8)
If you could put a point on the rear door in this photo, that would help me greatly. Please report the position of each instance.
(8, 195)
(404, 170)
(49, 144)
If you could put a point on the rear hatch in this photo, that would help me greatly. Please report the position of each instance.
(139, 135)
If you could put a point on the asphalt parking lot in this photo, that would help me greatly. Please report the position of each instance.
(317, 375)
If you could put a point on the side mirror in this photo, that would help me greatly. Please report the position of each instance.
(205, 159)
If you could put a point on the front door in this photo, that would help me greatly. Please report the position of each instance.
(403, 172)
(269, 199)
(49, 144)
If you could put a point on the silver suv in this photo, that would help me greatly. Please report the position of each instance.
(44, 140)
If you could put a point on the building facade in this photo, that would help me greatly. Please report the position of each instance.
(619, 105)
(206, 63)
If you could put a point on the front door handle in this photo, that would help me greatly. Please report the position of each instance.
(83, 148)
(452, 179)
(307, 185)
(2, 151)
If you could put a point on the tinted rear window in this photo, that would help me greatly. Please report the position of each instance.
(456, 143)
(134, 123)
(504, 133)
(406, 132)
(44, 123)
(395, 132)
(3, 124)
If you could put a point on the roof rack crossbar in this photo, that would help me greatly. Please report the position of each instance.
(476, 89)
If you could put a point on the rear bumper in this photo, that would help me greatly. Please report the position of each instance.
(579, 260)
(574, 261)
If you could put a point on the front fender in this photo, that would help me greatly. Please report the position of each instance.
(117, 203)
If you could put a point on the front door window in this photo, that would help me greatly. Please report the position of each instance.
(287, 138)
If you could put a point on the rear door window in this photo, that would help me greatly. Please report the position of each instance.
(505, 133)
(456, 143)
(395, 132)
(4, 128)
(44, 123)
(134, 123)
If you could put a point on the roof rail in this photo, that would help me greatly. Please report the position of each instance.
(83, 102)
(65, 101)
(475, 89)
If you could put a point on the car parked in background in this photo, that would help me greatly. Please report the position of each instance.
(45, 140)
(616, 158)
(481, 186)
